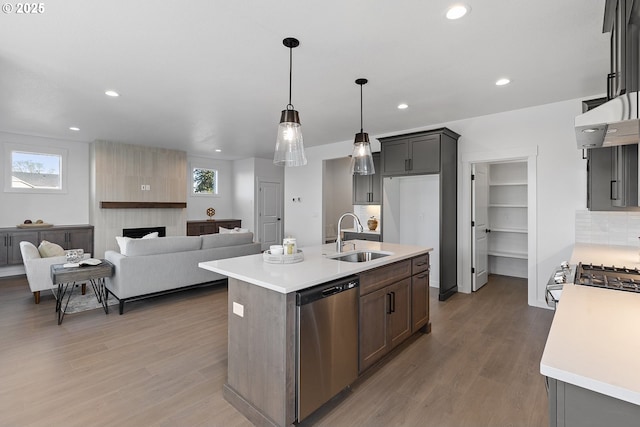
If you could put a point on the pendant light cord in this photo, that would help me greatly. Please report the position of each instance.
(290, 76)
(361, 127)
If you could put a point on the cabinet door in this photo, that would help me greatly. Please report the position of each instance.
(81, 238)
(395, 157)
(4, 248)
(193, 229)
(424, 153)
(376, 181)
(361, 189)
(419, 300)
(400, 313)
(13, 254)
(373, 327)
(59, 237)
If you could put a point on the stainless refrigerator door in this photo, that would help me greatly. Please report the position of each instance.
(328, 349)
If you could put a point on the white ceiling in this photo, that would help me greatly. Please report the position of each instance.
(205, 74)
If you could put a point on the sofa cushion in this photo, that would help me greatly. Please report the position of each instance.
(162, 245)
(218, 240)
(48, 249)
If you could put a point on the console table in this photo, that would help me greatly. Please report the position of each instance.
(67, 236)
(196, 228)
(64, 277)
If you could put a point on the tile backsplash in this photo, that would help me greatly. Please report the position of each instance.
(608, 228)
(364, 212)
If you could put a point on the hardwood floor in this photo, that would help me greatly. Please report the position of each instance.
(163, 363)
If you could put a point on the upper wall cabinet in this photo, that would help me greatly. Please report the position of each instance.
(612, 178)
(415, 154)
(367, 189)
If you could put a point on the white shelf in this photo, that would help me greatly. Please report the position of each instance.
(504, 205)
(506, 254)
(508, 230)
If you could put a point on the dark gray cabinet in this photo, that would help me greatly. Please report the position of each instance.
(352, 235)
(612, 178)
(80, 237)
(212, 226)
(67, 236)
(10, 250)
(412, 155)
(570, 405)
(367, 189)
(621, 19)
(431, 152)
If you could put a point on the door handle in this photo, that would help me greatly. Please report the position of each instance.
(389, 304)
(613, 185)
(406, 164)
(393, 302)
(278, 219)
(487, 230)
(422, 276)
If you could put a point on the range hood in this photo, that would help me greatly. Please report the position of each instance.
(615, 122)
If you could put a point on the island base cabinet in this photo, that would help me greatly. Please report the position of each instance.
(373, 327)
(261, 353)
(573, 406)
(399, 312)
(419, 301)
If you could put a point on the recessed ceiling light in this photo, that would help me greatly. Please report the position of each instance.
(502, 82)
(73, 128)
(457, 11)
(112, 93)
(402, 106)
(218, 150)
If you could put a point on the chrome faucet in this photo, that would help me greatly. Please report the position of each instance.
(339, 242)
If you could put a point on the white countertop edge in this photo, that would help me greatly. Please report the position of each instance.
(591, 384)
(354, 268)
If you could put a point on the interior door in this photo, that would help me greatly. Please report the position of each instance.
(479, 230)
(269, 213)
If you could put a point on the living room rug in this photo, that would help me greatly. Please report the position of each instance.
(80, 302)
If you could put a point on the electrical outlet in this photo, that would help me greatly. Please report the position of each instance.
(238, 309)
(142, 187)
(148, 187)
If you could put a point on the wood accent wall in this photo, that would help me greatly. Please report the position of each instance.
(117, 172)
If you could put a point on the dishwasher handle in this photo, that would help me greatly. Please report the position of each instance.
(326, 290)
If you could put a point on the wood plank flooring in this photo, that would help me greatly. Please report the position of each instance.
(163, 363)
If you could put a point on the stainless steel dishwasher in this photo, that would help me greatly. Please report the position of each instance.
(327, 342)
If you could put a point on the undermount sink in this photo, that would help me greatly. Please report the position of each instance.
(360, 256)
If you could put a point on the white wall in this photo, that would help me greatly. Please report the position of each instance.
(246, 173)
(197, 204)
(71, 207)
(561, 178)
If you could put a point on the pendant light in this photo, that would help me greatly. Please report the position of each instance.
(361, 159)
(289, 146)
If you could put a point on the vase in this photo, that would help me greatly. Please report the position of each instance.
(372, 224)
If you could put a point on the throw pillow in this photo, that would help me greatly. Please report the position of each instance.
(48, 249)
(150, 235)
(122, 243)
(223, 230)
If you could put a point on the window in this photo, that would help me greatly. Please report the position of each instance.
(205, 181)
(34, 169)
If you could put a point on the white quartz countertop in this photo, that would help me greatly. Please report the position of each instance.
(316, 268)
(619, 256)
(594, 341)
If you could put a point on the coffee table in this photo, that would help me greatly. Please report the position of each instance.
(67, 277)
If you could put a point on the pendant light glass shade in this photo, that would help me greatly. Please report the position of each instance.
(289, 145)
(361, 158)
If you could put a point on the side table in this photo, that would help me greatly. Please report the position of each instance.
(67, 277)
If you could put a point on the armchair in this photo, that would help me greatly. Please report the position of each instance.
(38, 269)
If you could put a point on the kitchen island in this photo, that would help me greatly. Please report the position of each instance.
(589, 358)
(262, 347)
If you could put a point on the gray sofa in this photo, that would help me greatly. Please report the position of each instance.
(164, 264)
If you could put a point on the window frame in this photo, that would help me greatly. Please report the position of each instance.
(193, 192)
(10, 148)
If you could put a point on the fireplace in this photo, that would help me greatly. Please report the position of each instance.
(137, 233)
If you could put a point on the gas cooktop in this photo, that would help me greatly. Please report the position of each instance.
(609, 277)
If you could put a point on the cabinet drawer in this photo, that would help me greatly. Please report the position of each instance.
(419, 264)
(349, 235)
(378, 278)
